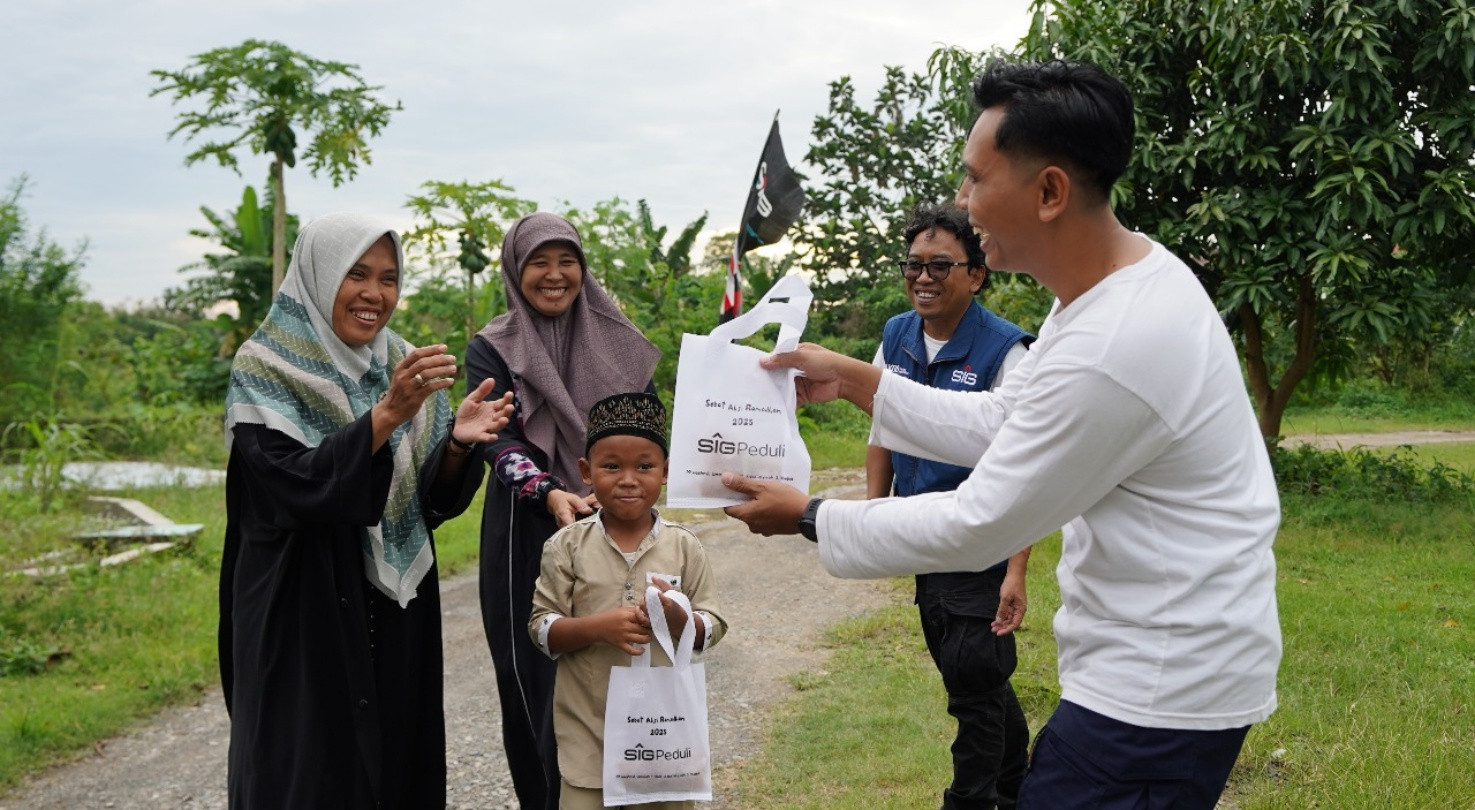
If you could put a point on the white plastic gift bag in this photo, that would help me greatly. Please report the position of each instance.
(656, 747)
(732, 415)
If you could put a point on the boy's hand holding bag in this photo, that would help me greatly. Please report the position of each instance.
(655, 720)
(732, 415)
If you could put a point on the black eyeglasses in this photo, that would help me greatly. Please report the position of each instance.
(938, 269)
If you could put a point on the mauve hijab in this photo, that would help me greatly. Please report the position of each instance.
(566, 364)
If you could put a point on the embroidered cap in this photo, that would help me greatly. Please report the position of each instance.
(640, 415)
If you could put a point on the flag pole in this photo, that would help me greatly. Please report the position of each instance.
(774, 201)
(732, 303)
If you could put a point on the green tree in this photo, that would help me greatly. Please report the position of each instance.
(656, 286)
(759, 272)
(259, 95)
(38, 282)
(659, 287)
(436, 311)
(155, 357)
(457, 225)
(241, 272)
(678, 255)
(870, 164)
(1311, 159)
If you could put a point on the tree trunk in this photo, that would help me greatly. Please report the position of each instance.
(1257, 371)
(1271, 400)
(470, 307)
(278, 229)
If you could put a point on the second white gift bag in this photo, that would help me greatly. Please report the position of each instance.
(732, 415)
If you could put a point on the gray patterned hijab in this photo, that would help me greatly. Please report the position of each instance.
(566, 364)
(297, 377)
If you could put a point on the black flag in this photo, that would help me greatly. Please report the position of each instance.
(774, 202)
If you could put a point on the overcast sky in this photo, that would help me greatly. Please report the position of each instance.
(575, 101)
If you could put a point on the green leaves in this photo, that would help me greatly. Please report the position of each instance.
(1313, 158)
(240, 272)
(38, 283)
(446, 210)
(259, 95)
(473, 217)
(255, 93)
(870, 164)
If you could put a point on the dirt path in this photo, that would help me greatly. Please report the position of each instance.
(1347, 441)
(178, 760)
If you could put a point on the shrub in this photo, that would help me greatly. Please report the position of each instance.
(22, 656)
(41, 448)
(1361, 473)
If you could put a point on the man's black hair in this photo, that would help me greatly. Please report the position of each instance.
(1061, 110)
(954, 220)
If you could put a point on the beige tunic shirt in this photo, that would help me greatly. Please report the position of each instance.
(584, 573)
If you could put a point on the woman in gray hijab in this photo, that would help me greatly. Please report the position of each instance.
(562, 346)
(344, 456)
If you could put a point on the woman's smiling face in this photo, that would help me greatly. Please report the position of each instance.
(551, 278)
(368, 294)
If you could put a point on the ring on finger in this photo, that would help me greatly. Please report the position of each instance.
(419, 380)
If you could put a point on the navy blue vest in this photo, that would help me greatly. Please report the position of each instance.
(969, 362)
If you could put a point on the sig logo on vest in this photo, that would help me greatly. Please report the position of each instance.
(642, 754)
(717, 445)
(965, 376)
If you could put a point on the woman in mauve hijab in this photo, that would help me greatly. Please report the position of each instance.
(344, 455)
(562, 346)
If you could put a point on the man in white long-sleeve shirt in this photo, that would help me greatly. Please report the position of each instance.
(1127, 423)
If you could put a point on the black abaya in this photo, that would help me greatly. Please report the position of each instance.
(513, 531)
(334, 690)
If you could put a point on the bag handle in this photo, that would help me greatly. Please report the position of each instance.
(680, 655)
(792, 315)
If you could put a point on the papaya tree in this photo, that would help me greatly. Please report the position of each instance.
(461, 224)
(258, 96)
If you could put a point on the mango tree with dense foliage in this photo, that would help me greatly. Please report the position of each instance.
(1311, 160)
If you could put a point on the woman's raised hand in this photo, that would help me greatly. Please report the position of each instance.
(478, 420)
(423, 372)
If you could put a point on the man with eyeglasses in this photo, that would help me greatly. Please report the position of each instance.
(950, 341)
(1127, 423)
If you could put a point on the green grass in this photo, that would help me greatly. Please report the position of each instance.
(1340, 419)
(458, 541)
(871, 730)
(123, 642)
(835, 434)
(836, 450)
(1377, 688)
(129, 640)
(1459, 455)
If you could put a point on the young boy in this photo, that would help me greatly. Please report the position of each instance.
(589, 602)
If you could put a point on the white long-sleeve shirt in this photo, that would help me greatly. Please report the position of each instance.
(1127, 423)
